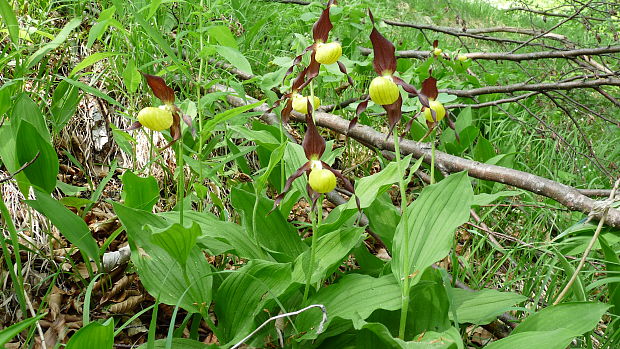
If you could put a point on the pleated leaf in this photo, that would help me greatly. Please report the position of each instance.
(433, 219)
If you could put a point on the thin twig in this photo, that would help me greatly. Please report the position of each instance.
(604, 207)
(7, 178)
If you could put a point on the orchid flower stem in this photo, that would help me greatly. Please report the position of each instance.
(312, 100)
(255, 212)
(181, 182)
(316, 224)
(433, 159)
(151, 151)
(405, 222)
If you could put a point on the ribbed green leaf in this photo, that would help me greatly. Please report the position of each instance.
(433, 218)
(93, 336)
(354, 297)
(139, 192)
(244, 293)
(273, 231)
(92, 59)
(179, 343)
(331, 249)
(230, 236)
(482, 307)
(577, 317)
(160, 274)
(556, 339)
(71, 226)
(177, 240)
(43, 171)
(65, 100)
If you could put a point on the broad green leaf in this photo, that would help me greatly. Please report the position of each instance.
(26, 109)
(8, 333)
(161, 275)
(71, 226)
(483, 150)
(244, 293)
(58, 40)
(65, 100)
(179, 343)
(6, 11)
(555, 339)
(227, 115)
(383, 218)
(487, 199)
(376, 335)
(429, 306)
(131, 77)
(177, 240)
(217, 232)
(43, 171)
(612, 263)
(90, 60)
(93, 336)
(433, 218)
(273, 231)
(274, 159)
(576, 317)
(331, 249)
(93, 91)
(223, 36)
(234, 57)
(138, 192)
(262, 138)
(482, 307)
(354, 297)
(368, 189)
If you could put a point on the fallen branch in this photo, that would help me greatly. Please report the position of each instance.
(460, 33)
(565, 195)
(504, 56)
(551, 86)
(551, 14)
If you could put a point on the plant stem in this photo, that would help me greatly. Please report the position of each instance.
(433, 159)
(16, 278)
(254, 212)
(316, 223)
(181, 181)
(405, 219)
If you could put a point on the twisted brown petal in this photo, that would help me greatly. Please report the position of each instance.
(384, 61)
(136, 125)
(394, 113)
(345, 182)
(160, 89)
(429, 88)
(289, 181)
(321, 28)
(313, 143)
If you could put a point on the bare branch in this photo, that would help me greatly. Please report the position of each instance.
(564, 194)
(7, 178)
(505, 56)
(551, 14)
(569, 85)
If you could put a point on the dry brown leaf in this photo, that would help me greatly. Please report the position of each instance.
(55, 300)
(119, 286)
(127, 305)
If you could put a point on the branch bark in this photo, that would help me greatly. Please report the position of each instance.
(569, 85)
(515, 57)
(565, 195)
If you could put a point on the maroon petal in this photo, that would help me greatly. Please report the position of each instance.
(136, 125)
(394, 113)
(412, 90)
(429, 88)
(343, 70)
(311, 72)
(313, 143)
(160, 89)
(289, 181)
(385, 59)
(321, 28)
(314, 196)
(175, 130)
(296, 61)
(345, 182)
(352, 124)
(362, 106)
(435, 43)
(286, 111)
